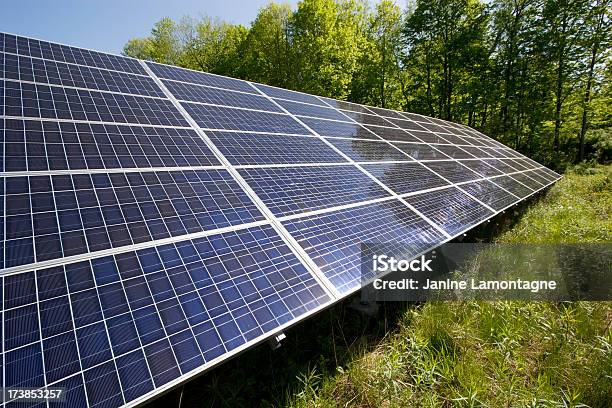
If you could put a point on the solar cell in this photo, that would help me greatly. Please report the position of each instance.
(405, 177)
(515, 187)
(428, 137)
(451, 209)
(421, 151)
(303, 109)
(293, 190)
(63, 53)
(393, 134)
(367, 119)
(369, 150)
(453, 171)
(290, 95)
(407, 124)
(338, 129)
(259, 148)
(201, 78)
(490, 194)
(481, 168)
(347, 106)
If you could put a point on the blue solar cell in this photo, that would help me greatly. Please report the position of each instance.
(45, 145)
(134, 375)
(24, 367)
(24, 68)
(405, 177)
(102, 386)
(96, 212)
(490, 194)
(111, 329)
(53, 102)
(454, 152)
(292, 190)
(338, 129)
(392, 134)
(451, 209)
(452, 171)
(61, 357)
(204, 94)
(202, 78)
(333, 240)
(406, 124)
(57, 52)
(481, 167)
(75, 392)
(369, 150)
(21, 326)
(254, 148)
(220, 118)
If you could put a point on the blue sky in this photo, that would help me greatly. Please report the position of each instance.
(106, 25)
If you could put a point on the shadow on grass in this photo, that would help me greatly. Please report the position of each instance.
(331, 339)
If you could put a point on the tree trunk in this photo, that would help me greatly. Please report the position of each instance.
(559, 85)
(587, 99)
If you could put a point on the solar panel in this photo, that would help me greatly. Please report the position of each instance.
(156, 221)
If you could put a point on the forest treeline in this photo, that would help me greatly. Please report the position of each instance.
(535, 74)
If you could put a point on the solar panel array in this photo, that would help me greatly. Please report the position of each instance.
(157, 220)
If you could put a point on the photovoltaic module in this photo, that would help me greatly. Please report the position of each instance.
(156, 220)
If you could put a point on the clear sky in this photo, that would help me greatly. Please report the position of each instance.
(106, 25)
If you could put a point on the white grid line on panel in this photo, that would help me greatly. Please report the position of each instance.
(95, 122)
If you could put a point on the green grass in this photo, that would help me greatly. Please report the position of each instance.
(490, 354)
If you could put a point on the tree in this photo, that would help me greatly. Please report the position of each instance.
(379, 79)
(327, 39)
(162, 46)
(268, 50)
(214, 46)
(443, 33)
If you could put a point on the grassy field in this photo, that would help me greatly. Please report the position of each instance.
(495, 354)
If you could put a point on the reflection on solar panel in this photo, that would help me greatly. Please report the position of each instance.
(156, 221)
